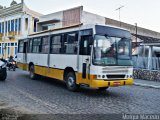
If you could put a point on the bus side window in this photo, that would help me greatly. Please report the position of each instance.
(70, 43)
(56, 44)
(85, 45)
(45, 45)
(21, 46)
(36, 45)
(30, 46)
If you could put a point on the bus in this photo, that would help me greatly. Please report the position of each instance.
(96, 56)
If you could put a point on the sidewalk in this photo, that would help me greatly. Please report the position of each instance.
(146, 83)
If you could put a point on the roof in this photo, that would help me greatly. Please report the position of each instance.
(147, 39)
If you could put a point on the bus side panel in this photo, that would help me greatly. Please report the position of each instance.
(49, 72)
(60, 61)
(37, 59)
(20, 62)
(55, 73)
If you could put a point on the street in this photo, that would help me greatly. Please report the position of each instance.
(51, 96)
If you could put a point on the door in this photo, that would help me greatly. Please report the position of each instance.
(25, 52)
(85, 59)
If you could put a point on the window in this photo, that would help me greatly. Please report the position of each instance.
(6, 26)
(30, 45)
(56, 44)
(19, 27)
(12, 25)
(9, 26)
(85, 45)
(45, 44)
(12, 44)
(35, 24)
(21, 44)
(16, 24)
(70, 43)
(0, 28)
(36, 45)
(8, 50)
(44, 28)
(15, 50)
(26, 23)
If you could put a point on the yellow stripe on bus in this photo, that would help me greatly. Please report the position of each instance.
(89, 80)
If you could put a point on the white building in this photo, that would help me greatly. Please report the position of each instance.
(16, 21)
(143, 40)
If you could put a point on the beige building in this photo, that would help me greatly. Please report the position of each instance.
(16, 21)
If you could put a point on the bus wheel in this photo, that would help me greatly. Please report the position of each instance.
(31, 72)
(71, 81)
(103, 88)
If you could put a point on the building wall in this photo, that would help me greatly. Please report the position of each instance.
(57, 16)
(90, 18)
(60, 19)
(132, 28)
(18, 22)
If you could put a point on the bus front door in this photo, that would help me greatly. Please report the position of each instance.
(25, 55)
(84, 60)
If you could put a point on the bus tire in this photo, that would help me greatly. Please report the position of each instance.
(32, 74)
(103, 88)
(71, 82)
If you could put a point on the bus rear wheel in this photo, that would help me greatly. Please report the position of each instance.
(71, 82)
(32, 72)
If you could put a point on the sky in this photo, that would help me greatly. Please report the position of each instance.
(146, 13)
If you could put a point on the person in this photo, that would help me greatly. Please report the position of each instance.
(11, 59)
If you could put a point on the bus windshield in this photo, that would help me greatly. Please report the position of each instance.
(112, 50)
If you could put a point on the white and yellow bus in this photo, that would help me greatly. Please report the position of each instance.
(97, 56)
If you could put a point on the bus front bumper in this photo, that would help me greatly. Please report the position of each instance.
(110, 83)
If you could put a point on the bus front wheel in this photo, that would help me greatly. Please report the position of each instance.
(32, 73)
(71, 81)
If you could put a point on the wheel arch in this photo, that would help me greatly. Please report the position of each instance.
(66, 71)
(30, 64)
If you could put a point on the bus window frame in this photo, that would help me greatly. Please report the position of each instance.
(36, 45)
(49, 44)
(62, 43)
(21, 40)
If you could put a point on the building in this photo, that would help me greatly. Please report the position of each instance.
(16, 21)
(144, 41)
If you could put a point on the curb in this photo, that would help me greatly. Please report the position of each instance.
(146, 85)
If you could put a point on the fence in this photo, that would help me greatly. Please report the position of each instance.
(142, 63)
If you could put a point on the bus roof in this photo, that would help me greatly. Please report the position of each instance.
(46, 31)
(73, 27)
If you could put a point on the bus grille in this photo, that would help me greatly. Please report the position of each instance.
(115, 76)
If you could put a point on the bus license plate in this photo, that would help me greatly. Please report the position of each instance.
(116, 83)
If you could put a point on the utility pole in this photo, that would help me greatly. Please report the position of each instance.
(119, 9)
(136, 34)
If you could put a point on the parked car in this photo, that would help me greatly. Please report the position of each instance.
(3, 70)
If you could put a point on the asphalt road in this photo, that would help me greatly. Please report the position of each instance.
(51, 96)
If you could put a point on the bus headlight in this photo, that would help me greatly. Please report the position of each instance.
(99, 76)
(129, 76)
